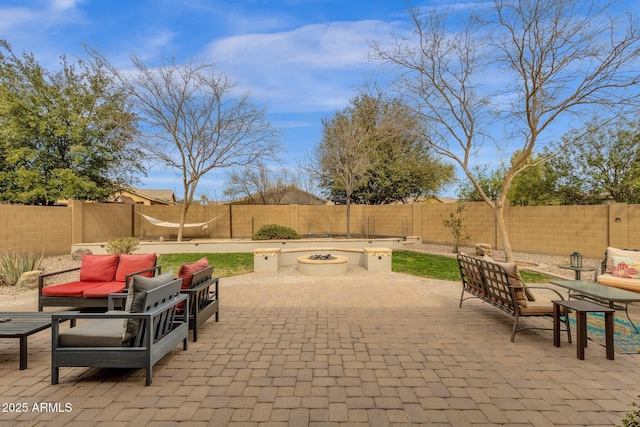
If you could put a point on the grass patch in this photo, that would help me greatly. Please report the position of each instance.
(227, 264)
(442, 267)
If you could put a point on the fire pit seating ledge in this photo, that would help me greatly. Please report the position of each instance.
(99, 276)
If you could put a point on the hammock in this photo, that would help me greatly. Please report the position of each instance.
(161, 223)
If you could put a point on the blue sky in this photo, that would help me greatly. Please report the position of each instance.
(302, 59)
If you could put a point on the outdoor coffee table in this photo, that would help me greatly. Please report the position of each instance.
(591, 291)
(21, 325)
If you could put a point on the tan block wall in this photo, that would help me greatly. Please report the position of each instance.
(479, 224)
(218, 229)
(37, 229)
(559, 230)
(556, 230)
(393, 220)
(246, 219)
(322, 220)
(105, 221)
(633, 228)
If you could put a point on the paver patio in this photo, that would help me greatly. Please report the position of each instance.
(361, 349)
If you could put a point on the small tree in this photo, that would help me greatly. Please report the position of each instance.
(455, 224)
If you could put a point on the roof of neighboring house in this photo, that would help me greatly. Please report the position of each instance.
(446, 199)
(166, 197)
(292, 196)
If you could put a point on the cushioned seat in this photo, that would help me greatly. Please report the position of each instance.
(71, 289)
(100, 275)
(93, 333)
(104, 290)
(619, 282)
(541, 306)
(621, 269)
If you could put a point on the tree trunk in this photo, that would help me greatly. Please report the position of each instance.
(183, 218)
(348, 218)
(503, 232)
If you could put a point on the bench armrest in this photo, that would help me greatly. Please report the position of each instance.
(112, 298)
(53, 273)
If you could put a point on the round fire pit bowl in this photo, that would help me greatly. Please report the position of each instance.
(333, 266)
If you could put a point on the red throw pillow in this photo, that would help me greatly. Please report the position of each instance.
(187, 270)
(130, 263)
(98, 268)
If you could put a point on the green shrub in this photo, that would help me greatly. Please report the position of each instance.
(13, 264)
(122, 245)
(632, 419)
(275, 231)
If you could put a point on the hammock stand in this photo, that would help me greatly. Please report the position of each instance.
(162, 223)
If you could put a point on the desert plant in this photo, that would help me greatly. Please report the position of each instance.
(455, 224)
(632, 419)
(122, 245)
(275, 231)
(13, 264)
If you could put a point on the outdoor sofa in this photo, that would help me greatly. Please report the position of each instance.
(137, 337)
(620, 268)
(99, 276)
(501, 285)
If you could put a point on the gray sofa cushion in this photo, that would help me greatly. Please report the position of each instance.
(93, 333)
(136, 300)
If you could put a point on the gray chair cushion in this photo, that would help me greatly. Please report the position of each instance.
(93, 333)
(136, 300)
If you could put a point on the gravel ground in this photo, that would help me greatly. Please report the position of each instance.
(543, 263)
(50, 264)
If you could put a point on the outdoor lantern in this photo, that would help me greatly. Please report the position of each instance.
(575, 260)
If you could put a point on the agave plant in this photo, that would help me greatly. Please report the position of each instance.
(13, 264)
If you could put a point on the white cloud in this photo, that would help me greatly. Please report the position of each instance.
(310, 68)
(14, 17)
(64, 4)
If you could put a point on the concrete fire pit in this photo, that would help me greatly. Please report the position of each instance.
(333, 265)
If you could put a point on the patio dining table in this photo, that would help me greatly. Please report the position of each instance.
(591, 291)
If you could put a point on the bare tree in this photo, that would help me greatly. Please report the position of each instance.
(257, 184)
(519, 69)
(194, 121)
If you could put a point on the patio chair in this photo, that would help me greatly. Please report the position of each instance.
(138, 338)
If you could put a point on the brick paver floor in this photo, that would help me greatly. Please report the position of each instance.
(361, 349)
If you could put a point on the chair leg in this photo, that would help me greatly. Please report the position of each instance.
(515, 329)
(149, 375)
(55, 371)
